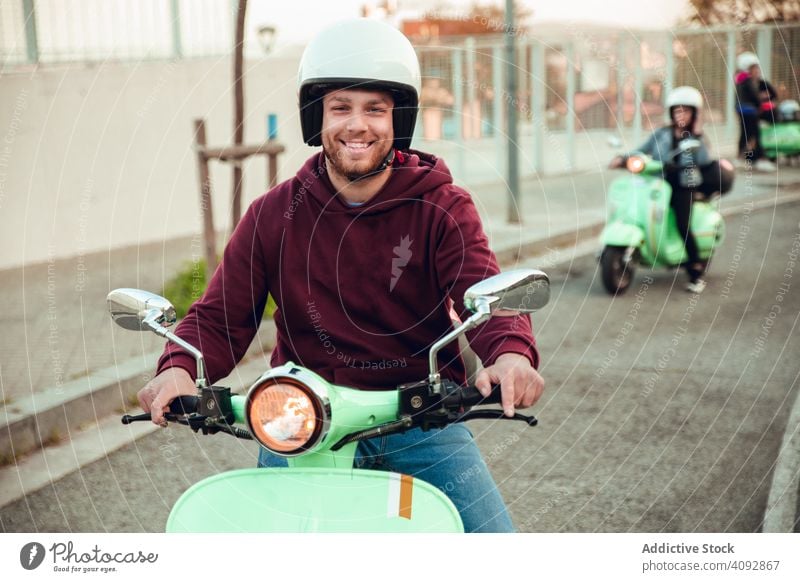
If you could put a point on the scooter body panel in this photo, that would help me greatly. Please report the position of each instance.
(313, 500)
(781, 138)
(640, 216)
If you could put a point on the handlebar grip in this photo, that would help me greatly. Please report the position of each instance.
(183, 405)
(469, 396)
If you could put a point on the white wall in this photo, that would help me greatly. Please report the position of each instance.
(100, 156)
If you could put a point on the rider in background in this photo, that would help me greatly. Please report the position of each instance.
(754, 101)
(685, 105)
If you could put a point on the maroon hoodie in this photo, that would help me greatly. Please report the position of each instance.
(362, 292)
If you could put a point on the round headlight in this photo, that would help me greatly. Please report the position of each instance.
(285, 416)
(635, 164)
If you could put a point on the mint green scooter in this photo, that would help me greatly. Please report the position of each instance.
(641, 226)
(316, 425)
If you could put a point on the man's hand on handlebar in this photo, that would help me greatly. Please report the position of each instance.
(163, 389)
(617, 162)
(520, 383)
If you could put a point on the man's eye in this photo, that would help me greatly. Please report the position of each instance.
(377, 110)
(340, 108)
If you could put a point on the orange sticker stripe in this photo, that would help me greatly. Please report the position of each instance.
(406, 492)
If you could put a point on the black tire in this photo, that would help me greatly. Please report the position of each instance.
(616, 274)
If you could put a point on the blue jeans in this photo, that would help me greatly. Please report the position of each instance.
(448, 458)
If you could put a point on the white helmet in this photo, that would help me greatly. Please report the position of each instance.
(789, 110)
(746, 60)
(359, 53)
(687, 96)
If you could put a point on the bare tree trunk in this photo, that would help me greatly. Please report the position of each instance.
(238, 108)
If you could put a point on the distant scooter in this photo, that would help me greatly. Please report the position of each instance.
(782, 138)
(641, 226)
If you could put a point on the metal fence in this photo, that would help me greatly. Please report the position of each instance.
(576, 81)
(47, 31)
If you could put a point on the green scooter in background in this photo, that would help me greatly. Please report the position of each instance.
(782, 138)
(641, 228)
(295, 413)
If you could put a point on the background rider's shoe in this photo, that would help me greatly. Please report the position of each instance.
(765, 166)
(696, 286)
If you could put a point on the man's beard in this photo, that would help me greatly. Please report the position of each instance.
(351, 174)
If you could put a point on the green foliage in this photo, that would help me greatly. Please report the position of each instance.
(189, 284)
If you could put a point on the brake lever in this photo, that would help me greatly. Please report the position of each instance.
(496, 415)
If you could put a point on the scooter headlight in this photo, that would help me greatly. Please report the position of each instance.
(635, 164)
(286, 416)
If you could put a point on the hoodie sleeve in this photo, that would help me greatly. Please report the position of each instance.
(463, 258)
(223, 322)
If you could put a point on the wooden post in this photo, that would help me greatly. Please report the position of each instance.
(206, 208)
(272, 170)
(238, 110)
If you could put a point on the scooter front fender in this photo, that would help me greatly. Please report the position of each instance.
(620, 234)
(313, 500)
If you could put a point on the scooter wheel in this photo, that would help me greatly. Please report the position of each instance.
(617, 275)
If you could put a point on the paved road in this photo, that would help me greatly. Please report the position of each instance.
(663, 412)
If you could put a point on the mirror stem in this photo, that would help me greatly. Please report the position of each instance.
(198, 356)
(482, 313)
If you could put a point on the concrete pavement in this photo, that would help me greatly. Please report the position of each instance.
(65, 367)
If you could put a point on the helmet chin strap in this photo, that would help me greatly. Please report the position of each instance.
(387, 161)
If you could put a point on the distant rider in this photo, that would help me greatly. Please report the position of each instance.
(754, 102)
(685, 105)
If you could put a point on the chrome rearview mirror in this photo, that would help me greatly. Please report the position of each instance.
(510, 293)
(140, 310)
(130, 308)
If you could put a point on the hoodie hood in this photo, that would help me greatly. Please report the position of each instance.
(414, 174)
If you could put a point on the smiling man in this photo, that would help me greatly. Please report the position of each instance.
(364, 250)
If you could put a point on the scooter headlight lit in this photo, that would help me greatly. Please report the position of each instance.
(285, 416)
(635, 164)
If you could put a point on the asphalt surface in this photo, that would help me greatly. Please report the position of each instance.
(664, 411)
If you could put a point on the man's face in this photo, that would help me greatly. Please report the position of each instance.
(357, 131)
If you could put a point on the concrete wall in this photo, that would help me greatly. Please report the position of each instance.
(100, 156)
(95, 157)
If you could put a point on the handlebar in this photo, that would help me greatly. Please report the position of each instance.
(179, 406)
(469, 396)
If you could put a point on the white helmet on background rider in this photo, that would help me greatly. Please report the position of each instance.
(746, 60)
(789, 110)
(359, 54)
(686, 96)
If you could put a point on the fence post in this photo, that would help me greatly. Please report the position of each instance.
(470, 89)
(206, 208)
(669, 64)
(497, 106)
(570, 121)
(637, 97)
(538, 104)
(175, 14)
(764, 50)
(620, 85)
(730, 90)
(31, 38)
(458, 108)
